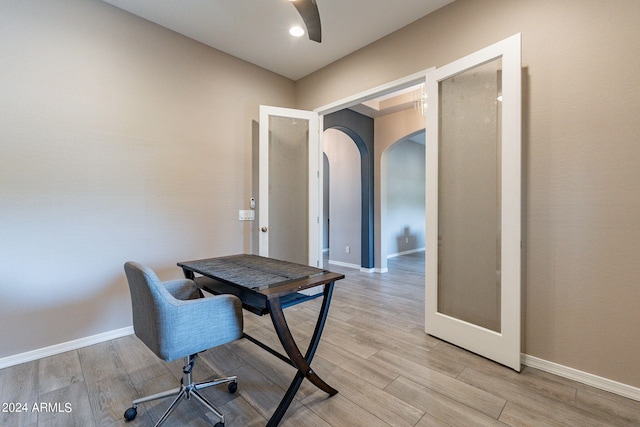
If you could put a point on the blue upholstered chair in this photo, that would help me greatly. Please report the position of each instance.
(175, 321)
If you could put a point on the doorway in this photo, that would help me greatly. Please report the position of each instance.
(394, 117)
(403, 197)
(343, 200)
(487, 85)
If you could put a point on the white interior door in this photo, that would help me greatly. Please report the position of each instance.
(473, 149)
(288, 204)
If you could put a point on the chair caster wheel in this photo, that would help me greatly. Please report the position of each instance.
(219, 424)
(232, 387)
(130, 413)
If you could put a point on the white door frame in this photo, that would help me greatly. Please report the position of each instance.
(376, 92)
(315, 184)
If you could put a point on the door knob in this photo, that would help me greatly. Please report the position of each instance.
(264, 229)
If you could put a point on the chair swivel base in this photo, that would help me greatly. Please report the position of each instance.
(185, 392)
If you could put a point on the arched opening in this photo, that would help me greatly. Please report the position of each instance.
(359, 130)
(343, 220)
(403, 197)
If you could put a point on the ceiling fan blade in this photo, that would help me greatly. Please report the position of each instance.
(308, 10)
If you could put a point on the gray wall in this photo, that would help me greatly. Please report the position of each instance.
(119, 140)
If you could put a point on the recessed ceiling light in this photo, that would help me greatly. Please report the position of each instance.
(296, 31)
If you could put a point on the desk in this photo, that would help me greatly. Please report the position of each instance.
(266, 286)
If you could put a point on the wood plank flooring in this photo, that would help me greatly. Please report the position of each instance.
(374, 351)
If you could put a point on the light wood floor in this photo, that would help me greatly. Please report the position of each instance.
(374, 351)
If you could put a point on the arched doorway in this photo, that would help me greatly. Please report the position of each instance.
(359, 128)
(343, 195)
(403, 196)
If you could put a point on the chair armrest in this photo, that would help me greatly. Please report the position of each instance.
(183, 289)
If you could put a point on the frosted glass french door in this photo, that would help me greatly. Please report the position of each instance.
(288, 185)
(473, 165)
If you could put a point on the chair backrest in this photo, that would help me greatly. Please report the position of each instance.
(144, 287)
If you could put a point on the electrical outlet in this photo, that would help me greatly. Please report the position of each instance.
(348, 249)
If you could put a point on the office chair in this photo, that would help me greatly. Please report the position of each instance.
(175, 320)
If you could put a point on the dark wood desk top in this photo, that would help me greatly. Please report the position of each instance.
(255, 279)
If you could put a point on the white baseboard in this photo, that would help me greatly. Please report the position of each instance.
(582, 377)
(344, 264)
(63, 347)
(411, 251)
(348, 265)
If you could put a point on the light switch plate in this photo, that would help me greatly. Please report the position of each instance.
(246, 215)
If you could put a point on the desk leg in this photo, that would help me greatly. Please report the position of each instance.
(300, 362)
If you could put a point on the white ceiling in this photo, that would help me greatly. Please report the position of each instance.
(257, 31)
